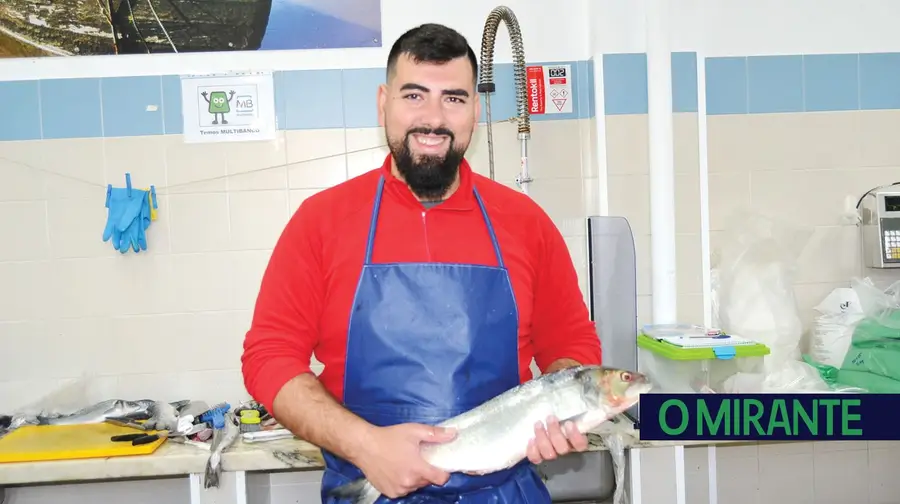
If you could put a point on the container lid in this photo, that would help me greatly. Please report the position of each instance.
(249, 417)
(673, 352)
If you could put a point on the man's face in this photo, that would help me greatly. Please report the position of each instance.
(429, 112)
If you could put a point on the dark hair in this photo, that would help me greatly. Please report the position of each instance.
(431, 43)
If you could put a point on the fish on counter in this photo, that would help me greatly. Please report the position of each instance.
(223, 438)
(142, 409)
(494, 436)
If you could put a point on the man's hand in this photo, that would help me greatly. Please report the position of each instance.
(392, 462)
(554, 441)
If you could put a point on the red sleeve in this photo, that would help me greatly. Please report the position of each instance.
(284, 331)
(561, 324)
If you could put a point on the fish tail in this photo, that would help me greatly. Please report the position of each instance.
(357, 492)
(212, 473)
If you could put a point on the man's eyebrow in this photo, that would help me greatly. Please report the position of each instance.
(414, 87)
(446, 92)
(456, 92)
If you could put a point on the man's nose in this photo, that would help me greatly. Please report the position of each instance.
(432, 113)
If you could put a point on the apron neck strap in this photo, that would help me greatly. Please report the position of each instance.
(373, 224)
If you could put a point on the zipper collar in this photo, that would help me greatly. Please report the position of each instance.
(462, 199)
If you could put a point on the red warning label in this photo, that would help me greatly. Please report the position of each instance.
(536, 96)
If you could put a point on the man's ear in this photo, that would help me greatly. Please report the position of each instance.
(477, 110)
(382, 101)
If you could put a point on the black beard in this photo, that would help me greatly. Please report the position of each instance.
(428, 177)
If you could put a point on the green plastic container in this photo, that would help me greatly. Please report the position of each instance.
(675, 369)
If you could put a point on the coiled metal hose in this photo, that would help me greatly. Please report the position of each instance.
(487, 86)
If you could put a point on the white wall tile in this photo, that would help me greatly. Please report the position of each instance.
(21, 170)
(199, 222)
(192, 168)
(257, 218)
(221, 209)
(74, 168)
(143, 157)
(26, 221)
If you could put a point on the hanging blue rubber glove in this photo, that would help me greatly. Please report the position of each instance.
(129, 216)
(124, 210)
(117, 202)
(131, 224)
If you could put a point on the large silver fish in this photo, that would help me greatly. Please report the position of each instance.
(141, 409)
(494, 436)
(98, 413)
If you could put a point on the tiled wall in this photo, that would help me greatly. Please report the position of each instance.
(790, 136)
(222, 207)
(169, 323)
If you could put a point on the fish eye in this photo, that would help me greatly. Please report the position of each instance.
(626, 376)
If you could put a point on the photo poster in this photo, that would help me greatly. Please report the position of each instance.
(235, 107)
(104, 27)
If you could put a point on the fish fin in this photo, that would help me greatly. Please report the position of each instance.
(357, 492)
(181, 405)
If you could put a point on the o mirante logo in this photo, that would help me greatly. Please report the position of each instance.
(785, 417)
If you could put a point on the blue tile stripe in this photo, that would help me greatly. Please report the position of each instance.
(304, 99)
(802, 83)
(312, 99)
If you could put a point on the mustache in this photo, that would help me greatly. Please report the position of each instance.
(430, 131)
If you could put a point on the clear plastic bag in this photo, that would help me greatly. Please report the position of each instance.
(880, 306)
(755, 299)
(755, 274)
(617, 435)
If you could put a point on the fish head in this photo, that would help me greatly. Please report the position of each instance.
(612, 388)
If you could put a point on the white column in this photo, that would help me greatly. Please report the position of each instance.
(600, 147)
(702, 141)
(662, 183)
(662, 161)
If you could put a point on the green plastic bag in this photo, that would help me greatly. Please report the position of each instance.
(848, 381)
(875, 347)
(872, 383)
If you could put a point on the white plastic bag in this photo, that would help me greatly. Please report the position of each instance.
(832, 331)
(754, 299)
(878, 304)
(755, 292)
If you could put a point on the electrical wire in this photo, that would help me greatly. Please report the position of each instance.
(869, 192)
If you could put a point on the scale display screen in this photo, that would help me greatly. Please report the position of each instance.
(892, 203)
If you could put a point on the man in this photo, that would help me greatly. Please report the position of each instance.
(424, 289)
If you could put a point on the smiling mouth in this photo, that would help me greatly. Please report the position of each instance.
(429, 140)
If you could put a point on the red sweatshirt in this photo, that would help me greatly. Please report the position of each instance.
(308, 287)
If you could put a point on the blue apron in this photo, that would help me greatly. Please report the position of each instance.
(426, 342)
